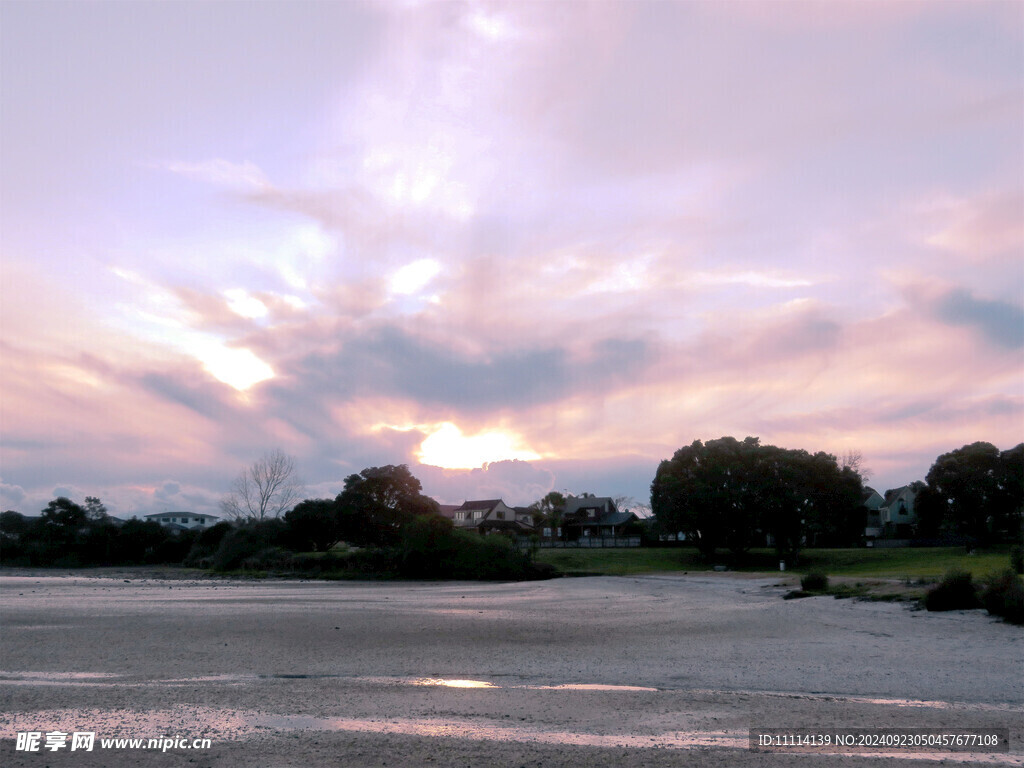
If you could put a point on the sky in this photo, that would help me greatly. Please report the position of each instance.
(520, 247)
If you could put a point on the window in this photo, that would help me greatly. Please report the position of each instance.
(501, 515)
(201, 520)
(460, 515)
(479, 514)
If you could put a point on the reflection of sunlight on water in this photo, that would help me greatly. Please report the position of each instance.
(589, 687)
(447, 683)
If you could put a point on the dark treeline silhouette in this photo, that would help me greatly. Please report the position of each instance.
(735, 494)
(724, 494)
(393, 531)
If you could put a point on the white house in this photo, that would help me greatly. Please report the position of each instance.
(183, 520)
(898, 509)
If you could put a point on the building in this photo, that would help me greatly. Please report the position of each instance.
(587, 516)
(180, 521)
(897, 514)
(490, 515)
(872, 502)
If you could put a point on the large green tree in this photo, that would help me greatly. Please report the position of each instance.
(314, 524)
(730, 493)
(975, 491)
(378, 502)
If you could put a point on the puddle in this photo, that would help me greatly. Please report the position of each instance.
(445, 683)
(587, 687)
(58, 678)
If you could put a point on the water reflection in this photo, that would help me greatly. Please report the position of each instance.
(449, 683)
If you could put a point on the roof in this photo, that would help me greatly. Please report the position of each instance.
(615, 518)
(576, 503)
(480, 504)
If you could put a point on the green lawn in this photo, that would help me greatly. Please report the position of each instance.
(915, 563)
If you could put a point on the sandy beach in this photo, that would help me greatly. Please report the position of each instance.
(661, 670)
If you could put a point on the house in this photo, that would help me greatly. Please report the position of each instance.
(587, 516)
(181, 521)
(897, 514)
(489, 515)
(871, 501)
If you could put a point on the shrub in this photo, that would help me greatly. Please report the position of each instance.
(246, 541)
(956, 591)
(268, 559)
(814, 582)
(206, 544)
(1004, 596)
(1017, 558)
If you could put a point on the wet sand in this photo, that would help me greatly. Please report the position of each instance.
(660, 670)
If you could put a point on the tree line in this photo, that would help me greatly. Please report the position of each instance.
(731, 494)
(723, 494)
(392, 528)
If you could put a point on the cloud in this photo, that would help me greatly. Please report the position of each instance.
(244, 176)
(1000, 322)
(11, 495)
(389, 360)
(519, 483)
(980, 228)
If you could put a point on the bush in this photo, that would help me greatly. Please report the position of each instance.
(1017, 558)
(268, 559)
(955, 592)
(814, 582)
(1004, 596)
(247, 541)
(206, 544)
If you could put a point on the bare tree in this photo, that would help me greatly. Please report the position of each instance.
(268, 488)
(852, 459)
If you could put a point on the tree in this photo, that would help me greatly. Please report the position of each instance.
(94, 508)
(268, 488)
(314, 524)
(975, 491)
(549, 510)
(853, 460)
(378, 502)
(728, 493)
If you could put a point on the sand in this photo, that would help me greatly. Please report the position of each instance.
(661, 670)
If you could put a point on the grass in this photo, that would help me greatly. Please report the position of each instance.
(911, 564)
(621, 562)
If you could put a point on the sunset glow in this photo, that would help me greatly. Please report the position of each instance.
(448, 448)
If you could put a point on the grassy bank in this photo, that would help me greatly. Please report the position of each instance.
(928, 564)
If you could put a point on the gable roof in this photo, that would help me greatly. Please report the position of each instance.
(615, 518)
(480, 504)
(605, 503)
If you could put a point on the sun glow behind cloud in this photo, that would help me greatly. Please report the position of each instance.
(239, 368)
(414, 277)
(448, 448)
(166, 323)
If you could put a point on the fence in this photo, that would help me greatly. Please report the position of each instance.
(584, 542)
